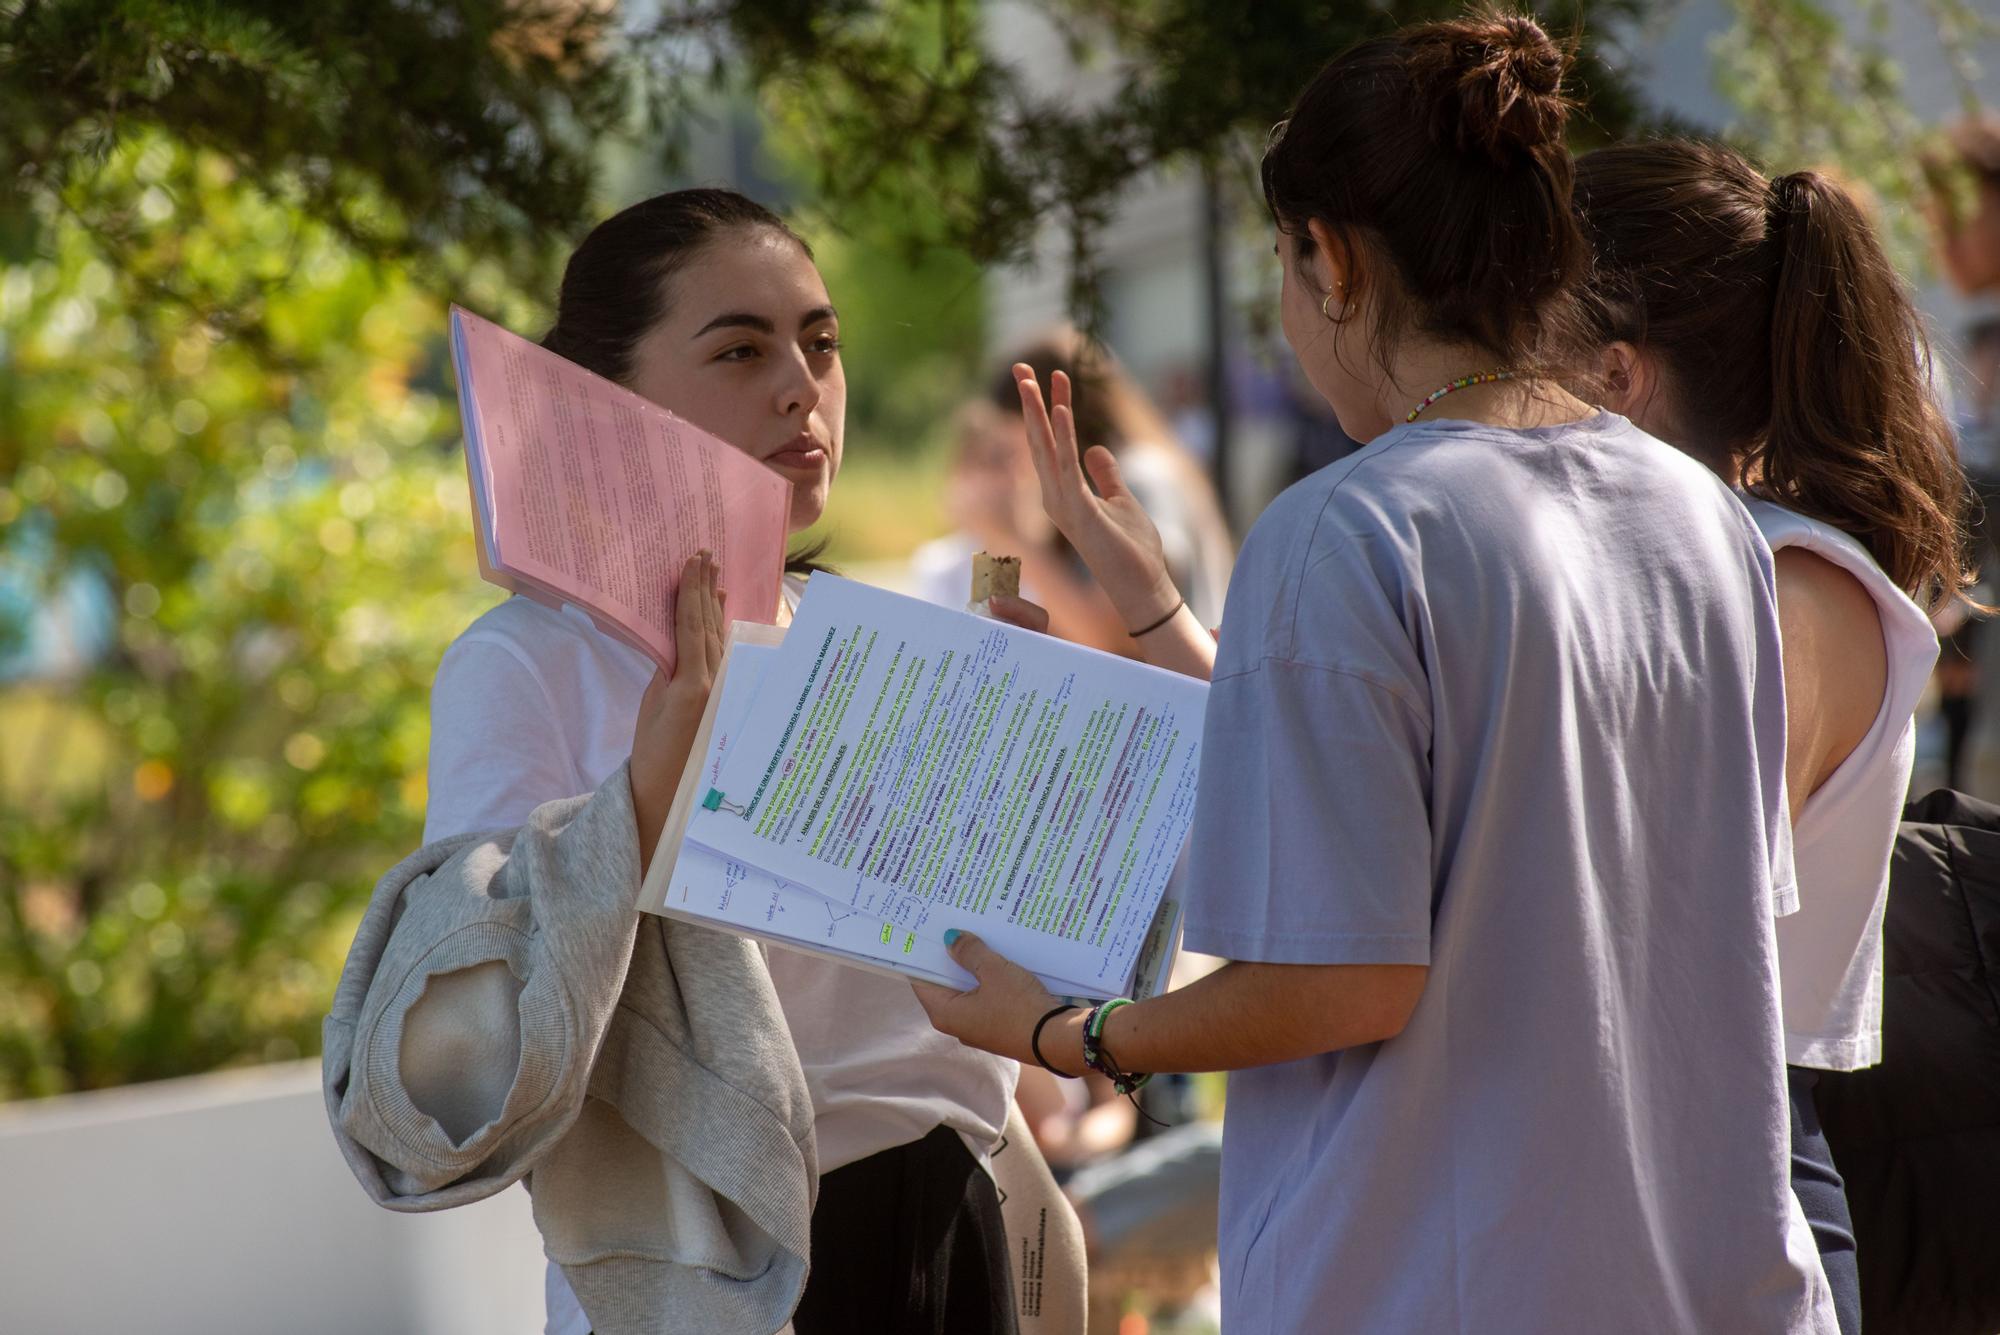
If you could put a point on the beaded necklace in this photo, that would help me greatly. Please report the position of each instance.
(1463, 382)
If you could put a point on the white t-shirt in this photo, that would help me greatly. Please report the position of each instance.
(1830, 951)
(530, 705)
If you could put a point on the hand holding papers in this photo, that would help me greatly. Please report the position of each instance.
(894, 769)
(586, 493)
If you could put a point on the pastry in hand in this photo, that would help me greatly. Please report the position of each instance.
(995, 574)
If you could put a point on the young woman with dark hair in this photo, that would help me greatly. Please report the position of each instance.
(1757, 325)
(1491, 820)
(707, 304)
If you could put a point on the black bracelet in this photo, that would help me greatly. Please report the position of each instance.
(1035, 1043)
(1135, 634)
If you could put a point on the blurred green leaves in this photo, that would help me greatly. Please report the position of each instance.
(274, 513)
(1817, 88)
(408, 127)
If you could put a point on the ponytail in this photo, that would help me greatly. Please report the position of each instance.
(1776, 302)
(1855, 437)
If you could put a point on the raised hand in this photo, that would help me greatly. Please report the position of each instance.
(1108, 527)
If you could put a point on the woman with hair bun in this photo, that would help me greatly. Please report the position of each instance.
(1492, 818)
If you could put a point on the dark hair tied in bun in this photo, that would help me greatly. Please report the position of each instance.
(1436, 153)
(1493, 85)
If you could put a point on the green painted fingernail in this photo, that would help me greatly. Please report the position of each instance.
(951, 935)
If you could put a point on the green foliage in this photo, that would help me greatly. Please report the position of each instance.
(903, 111)
(911, 337)
(280, 524)
(403, 125)
(912, 322)
(1817, 91)
(429, 128)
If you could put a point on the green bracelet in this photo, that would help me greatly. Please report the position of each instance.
(1102, 1012)
(1098, 1057)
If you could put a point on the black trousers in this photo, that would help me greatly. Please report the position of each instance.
(1823, 1197)
(909, 1242)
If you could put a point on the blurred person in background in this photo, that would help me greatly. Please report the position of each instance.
(994, 502)
(1966, 209)
(995, 505)
(1977, 410)
(1113, 411)
(1168, 479)
(1317, 439)
(1076, 1122)
(1965, 219)
(1976, 420)
(1191, 414)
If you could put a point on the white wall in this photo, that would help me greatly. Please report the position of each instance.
(218, 1205)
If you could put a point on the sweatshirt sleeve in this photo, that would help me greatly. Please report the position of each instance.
(481, 981)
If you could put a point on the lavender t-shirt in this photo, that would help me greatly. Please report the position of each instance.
(1509, 704)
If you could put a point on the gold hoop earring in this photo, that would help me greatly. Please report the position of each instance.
(1327, 301)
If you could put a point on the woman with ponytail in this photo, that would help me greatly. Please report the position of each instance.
(1491, 818)
(1757, 325)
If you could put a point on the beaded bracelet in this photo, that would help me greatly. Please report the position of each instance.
(1098, 1057)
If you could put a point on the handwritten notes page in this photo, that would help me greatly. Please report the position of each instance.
(589, 494)
(721, 891)
(924, 769)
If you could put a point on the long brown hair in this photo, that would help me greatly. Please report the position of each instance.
(1792, 353)
(1440, 149)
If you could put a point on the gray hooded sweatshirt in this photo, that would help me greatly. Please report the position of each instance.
(505, 1010)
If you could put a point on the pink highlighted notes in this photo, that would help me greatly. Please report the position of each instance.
(585, 493)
